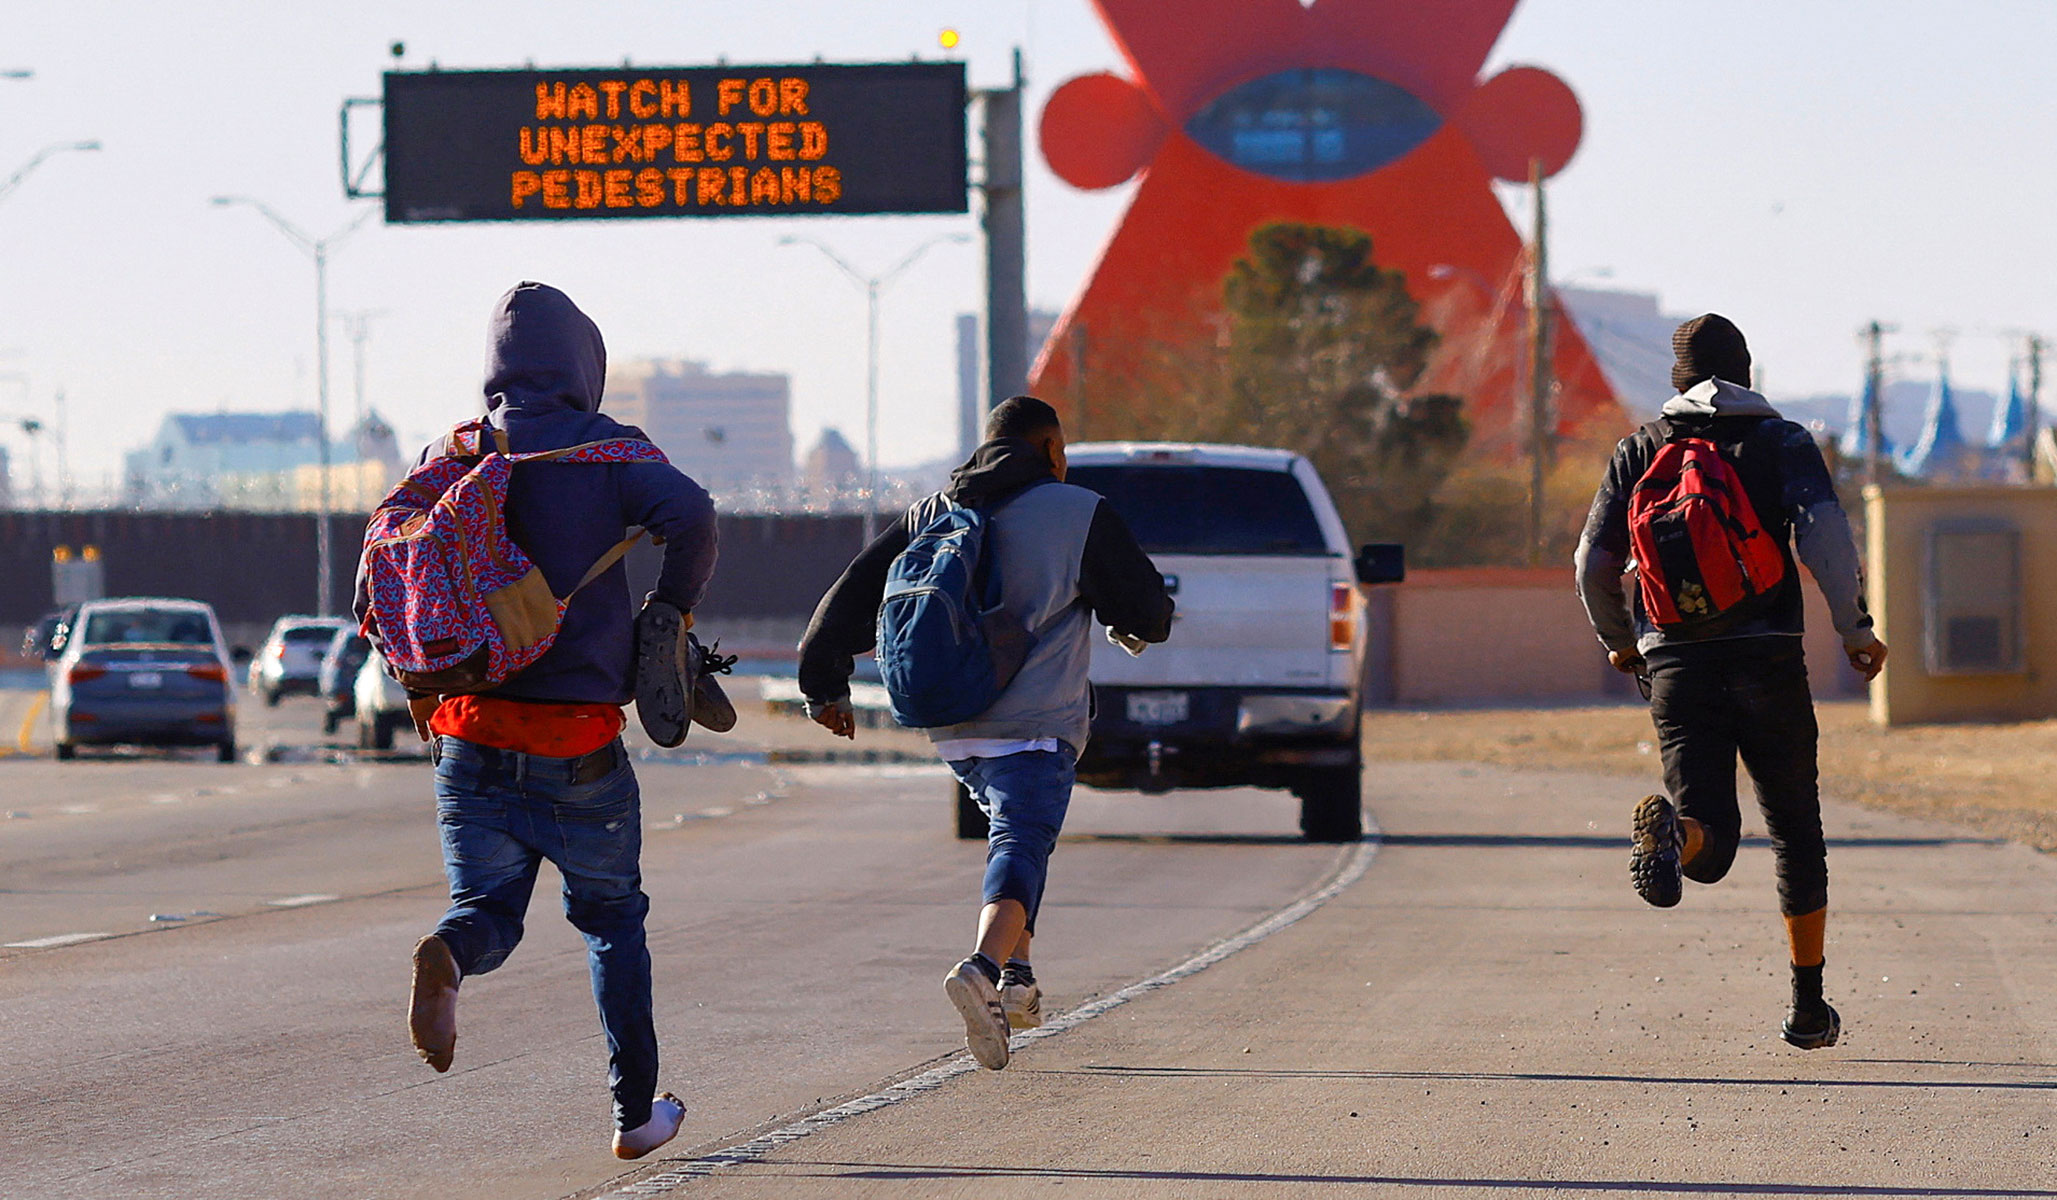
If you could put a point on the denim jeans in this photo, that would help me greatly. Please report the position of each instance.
(1714, 702)
(501, 814)
(1024, 797)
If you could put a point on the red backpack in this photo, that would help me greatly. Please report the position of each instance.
(455, 606)
(1700, 552)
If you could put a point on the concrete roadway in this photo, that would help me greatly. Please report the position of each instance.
(1488, 1012)
(802, 917)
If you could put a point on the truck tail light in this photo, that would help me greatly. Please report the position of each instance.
(212, 671)
(1342, 611)
(81, 672)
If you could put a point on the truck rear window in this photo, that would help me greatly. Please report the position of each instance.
(1208, 510)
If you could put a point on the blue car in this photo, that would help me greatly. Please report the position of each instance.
(143, 671)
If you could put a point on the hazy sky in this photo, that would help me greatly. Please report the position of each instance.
(1802, 167)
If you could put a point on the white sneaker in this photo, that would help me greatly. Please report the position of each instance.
(1024, 1005)
(985, 1020)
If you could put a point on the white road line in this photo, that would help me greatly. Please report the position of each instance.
(757, 1148)
(302, 901)
(61, 939)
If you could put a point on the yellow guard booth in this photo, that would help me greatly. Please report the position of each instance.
(1963, 588)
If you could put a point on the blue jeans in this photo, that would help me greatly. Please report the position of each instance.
(501, 814)
(1024, 797)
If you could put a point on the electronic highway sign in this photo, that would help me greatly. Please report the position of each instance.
(722, 141)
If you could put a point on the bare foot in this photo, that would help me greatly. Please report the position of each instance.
(667, 1113)
(432, 1004)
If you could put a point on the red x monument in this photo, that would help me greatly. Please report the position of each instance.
(1367, 114)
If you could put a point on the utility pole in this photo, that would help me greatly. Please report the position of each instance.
(59, 428)
(873, 286)
(1539, 364)
(318, 249)
(357, 325)
(2033, 418)
(1874, 402)
(1005, 222)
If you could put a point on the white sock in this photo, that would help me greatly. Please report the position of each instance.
(666, 1115)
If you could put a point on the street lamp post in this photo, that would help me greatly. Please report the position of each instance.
(318, 249)
(873, 286)
(15, 180)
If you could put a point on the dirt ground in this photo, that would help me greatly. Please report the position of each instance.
(1999, 779)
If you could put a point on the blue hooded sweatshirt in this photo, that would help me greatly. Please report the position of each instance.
(545, 368)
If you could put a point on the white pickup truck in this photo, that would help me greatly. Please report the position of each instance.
(1261, 684)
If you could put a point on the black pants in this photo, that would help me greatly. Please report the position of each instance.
(1715, 701)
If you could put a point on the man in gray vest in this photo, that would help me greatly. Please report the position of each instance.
(1066, 562)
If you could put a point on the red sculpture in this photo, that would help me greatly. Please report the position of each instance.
(1360, 113)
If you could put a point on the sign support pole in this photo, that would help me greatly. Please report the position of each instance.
(1005, 223)
(1540, 382)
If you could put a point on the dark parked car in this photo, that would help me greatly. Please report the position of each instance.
(143, 671)
(339, 663)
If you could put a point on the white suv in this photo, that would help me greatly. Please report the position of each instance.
(1262, 681)
(289, 662)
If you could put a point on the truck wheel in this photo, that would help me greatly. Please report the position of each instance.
(971, 819)
(66, 751)
(271, 698)
(1331, 803)
(382, 731)
(329, 721)
(225, 752)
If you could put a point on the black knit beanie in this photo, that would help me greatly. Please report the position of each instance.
(1709, 347)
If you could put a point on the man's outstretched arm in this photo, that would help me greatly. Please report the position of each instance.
(1602, 556)
(845, 623)
(1822, 538)
(1118, 580)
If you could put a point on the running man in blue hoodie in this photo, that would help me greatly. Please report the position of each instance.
(535, 769)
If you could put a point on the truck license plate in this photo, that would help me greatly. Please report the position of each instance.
(145, 679)
(1159, 708)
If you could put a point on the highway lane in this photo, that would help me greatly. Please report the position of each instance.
(802, 917)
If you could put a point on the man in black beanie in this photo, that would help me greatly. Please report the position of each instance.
(1706, 506)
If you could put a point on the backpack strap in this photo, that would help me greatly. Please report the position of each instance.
(468, 440)
(605, 561)
(640, 450)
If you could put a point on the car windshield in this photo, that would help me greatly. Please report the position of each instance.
(309, 635)
(1208, 510)
(158, 626)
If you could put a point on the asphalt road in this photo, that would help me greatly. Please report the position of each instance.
(205, 964)
(1486, 1011)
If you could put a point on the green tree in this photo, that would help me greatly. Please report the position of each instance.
(1317, 352)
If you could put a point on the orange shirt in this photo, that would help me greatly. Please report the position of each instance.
(549, 730)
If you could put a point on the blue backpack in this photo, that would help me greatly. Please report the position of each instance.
(946, 649)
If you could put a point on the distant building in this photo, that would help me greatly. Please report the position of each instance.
(1629, 334)
(264, 462)
(832, 465)
(222, 460)
(971, 373)
(6, 480)
(731, 432)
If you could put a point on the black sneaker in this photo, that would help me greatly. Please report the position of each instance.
(1654, 853)
(711, 707)
(666, 673)
(1812, 1028)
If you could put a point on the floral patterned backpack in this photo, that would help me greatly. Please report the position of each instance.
(454, 604)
